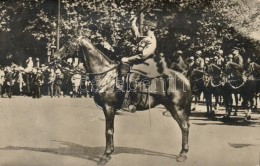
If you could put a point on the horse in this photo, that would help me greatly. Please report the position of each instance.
(216, 83)
(103, 74)
(252, 73)
(197, 80)
(233, 83)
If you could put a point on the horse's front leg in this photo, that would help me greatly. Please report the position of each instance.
(236, 100)
(109, 113)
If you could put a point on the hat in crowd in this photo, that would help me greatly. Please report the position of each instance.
(37, 59)
(236, 49)
(179, 52)
(58, 71)
(191, 58)
(207, 59)
(230, 56)
(42, 65)
(220, 52)
(215, 57)
(198, 52)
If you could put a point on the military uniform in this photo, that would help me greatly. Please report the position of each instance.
(39, 78)
(58, 82)
(9, 83)
(51, 79)
(2, 80)
(145, 51)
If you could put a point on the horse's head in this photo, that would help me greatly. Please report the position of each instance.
(68, 49)
(233, 69)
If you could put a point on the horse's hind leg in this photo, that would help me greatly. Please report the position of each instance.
(179, 114)
(109, 113)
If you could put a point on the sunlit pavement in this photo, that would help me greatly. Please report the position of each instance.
(70, 131)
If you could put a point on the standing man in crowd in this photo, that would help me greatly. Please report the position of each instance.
(39, 78)
(58, 81)
(29, 63)
(9, 81)
(51, 79)
(2, 80)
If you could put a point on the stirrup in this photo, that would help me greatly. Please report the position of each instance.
(130, 108)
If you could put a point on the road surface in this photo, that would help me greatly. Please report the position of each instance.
(70, 132)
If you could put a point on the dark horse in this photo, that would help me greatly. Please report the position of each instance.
(236, 83)
(197, 80)
(233, 83)
(100, 67)
(252, 73)
(216, 84)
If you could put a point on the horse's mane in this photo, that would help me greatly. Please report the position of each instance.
(233, 66)
(253, 68)
(96, 49)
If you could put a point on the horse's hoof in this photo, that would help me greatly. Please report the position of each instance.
(103, 160)
(235, 114)
(181, 158)
(193, 109)
(132, 109)
(248, 117)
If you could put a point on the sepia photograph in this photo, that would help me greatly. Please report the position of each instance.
(129, 82)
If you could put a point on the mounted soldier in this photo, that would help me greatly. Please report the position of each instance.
(199, 62)
(237, 58)
(147, 44)
(178, 63)
(219, 59)
(144, 53)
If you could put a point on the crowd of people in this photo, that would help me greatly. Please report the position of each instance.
(37, 80)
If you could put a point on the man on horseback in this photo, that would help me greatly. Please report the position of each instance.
(237, 58)
(145, 50)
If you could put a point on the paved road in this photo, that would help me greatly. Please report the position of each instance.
(68, 132)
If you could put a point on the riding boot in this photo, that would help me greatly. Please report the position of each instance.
(127, 106)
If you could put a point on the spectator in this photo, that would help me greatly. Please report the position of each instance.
(37, 62)
(51, 79)
(2, 80)
(9, 81)
(39, 78)
(29, 63)
(58, 82)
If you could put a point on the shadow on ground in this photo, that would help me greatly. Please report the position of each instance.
(89, 153)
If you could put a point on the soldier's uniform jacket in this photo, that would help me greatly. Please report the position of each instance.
(220, 62)
(59, 79)
(39, 79)
(199, 62)
(9, 78)
(51, 77)
(2, 77)
(147, 44)
(238, 60)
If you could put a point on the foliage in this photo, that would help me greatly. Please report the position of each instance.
(188, 25)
